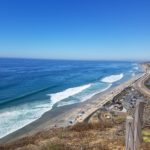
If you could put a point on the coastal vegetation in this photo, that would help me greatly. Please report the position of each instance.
(95, 134)
(104, 129)
(87, 136)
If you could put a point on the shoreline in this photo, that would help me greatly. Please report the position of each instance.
(71, 114)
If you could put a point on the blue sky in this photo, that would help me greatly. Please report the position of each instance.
(75, 29)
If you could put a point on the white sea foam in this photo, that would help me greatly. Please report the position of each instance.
(133, 74)
(17, 117)
(97, 92)
(135, 66)
(64, 103)
(113, 78)
(83, 98)
(56, 97)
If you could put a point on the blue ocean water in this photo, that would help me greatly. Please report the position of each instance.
(30, 87)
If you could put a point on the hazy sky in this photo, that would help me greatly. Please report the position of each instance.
(75, 29)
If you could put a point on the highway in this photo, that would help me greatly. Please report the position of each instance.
(140, 84)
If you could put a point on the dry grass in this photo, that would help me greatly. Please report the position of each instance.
(145, 146)
(91, 126)
(102, 135)
(82, 136)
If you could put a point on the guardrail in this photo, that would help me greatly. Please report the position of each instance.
(133, 137)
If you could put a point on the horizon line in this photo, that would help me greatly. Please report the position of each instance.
(75, 59)
(63, 59)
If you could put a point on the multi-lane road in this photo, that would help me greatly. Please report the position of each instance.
(140, 84)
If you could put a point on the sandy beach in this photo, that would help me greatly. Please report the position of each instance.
(69, 115)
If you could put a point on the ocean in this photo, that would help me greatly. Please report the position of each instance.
(30, 87)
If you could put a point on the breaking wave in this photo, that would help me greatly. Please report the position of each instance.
(113, 78)
(56, 97)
